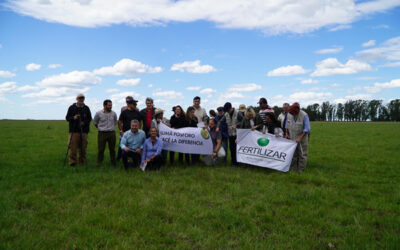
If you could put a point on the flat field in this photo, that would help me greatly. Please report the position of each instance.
(348, 197)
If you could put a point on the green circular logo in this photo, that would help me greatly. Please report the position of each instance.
(204, 133)
(262, 142)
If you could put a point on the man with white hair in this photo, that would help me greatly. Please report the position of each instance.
(132, 145)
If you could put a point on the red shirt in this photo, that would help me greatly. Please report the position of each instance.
(149, 117)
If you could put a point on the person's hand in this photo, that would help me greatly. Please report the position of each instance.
(127, 149)
(253, 128)
(264, 132)
(138, 150)
(76, 117)
(236, 141)
(148, 160)
(217, 130)
(214, 155)
(287, 136)
(277, 135)
(298, 139)
(234, 126)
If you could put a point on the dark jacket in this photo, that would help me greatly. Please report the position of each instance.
(192, 123)
(85, 117)
(245, 124)
(224, 126)
(178, 122)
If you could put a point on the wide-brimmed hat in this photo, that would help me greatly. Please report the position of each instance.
(242, 108)
(158, 111)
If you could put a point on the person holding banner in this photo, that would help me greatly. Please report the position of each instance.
(233, 119)
(159, 118)
(218, 150)
(178, 120)
(273, 126)
(192, 121)
(132, 145)
(152, 148)
(251, 120)
(298, 129)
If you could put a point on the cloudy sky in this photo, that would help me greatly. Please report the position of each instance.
(225, 50)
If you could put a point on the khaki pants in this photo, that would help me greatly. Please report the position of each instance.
(78, 145)
(299, 160)
(102, 139)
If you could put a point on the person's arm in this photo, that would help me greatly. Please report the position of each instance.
(71, 116)
(222, 120)
(144, 153)
(238, 119)
(306, 128)
(124, 141)
(96, 120)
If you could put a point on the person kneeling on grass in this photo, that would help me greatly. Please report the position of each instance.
(152, 148)
(218, 151)
(132, 145)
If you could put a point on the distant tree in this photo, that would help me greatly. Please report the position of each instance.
(324, 111)
(394, 110)
(374, 108)
(340, 111)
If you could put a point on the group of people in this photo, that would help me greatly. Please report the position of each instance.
(139, 144)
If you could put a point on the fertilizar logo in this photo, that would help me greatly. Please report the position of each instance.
(204, 133)
(262, 142)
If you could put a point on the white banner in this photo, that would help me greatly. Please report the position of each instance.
(186, 140)
(264, 150)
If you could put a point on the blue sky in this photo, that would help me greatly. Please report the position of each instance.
(233, 51)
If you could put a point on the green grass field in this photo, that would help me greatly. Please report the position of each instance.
(348, 197)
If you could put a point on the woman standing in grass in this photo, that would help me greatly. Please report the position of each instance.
(191, 121)
(178, 120)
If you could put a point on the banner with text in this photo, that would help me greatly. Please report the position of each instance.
(186, 140)
(264, 150)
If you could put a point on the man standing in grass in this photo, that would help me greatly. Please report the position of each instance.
(132, 145)
(147, 115)
(78, 117)
(283, 117)
(298, 129)
(200, 112)
(105, 121)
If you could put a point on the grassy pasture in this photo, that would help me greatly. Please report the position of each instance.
(348, 197)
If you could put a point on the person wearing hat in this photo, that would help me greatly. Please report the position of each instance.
(148, 115)
(223, 129)
(233, 119)
(283, 116)
(155, 123)
(298, 130)
(78, 117)
(125, 118)
(105, 121)
(242, 109)
(264, 109)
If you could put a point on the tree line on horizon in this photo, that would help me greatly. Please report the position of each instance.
(351, 110)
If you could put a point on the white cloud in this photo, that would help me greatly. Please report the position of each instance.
(56, 92)
(306, 98)
(193, 67)
(358, 97)
(332, 66)
(150, 85)
(208, 91)
(192, 88)
(382, 26)
(272, 17)
(309, 81)
(129, 82)
(336, 85)
(54, 66)
(71, 79)
(369, 43)
(119, 98)
(33, 67)
(340, 27)
(8, 88)
(287, 71)
(171, 94)
(6, 74)
(247, 87)
(378, 87)
(112, 90)
(389, 50)
(329, 51)
(367, 78)
(391, 64)
(232, 95)
(127, 67)
(27, 88)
